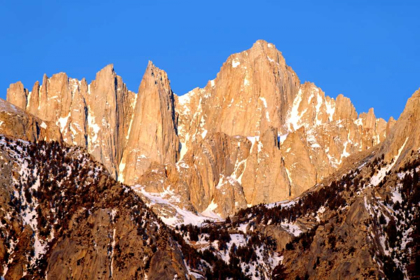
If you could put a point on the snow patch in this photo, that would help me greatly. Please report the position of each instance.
(94, 128)
(183, 150)
(44, 125)
(292, 228)
(294, 117)
(121, 168)
(209, 212)
(204, 133)
(358, 122)
(283, 204)
(253, 139)
(330, 110)
(235, 63)
(318, 107)
(132, 117)
(182, 216)
(265, 105)
(282, 138)
(185, 99)
(264, 101)
(62, 122)
(377, 178)
(396, 196)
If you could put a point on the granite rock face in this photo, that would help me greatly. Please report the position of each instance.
(152, 136)
(94, 116)
(273, 137)
(252, 138)
(404, 136)
(17, 123)
(299, 135)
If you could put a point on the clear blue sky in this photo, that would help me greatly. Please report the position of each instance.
(367, 50)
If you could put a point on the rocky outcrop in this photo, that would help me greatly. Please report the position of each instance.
(191, 157)
(95, 116)
(17, 95)
(404, 135)
(152, 136)
(63, 217)
(265, 178)
(293, 135)
(322, 133)
(375, 231)
(311, 134)
(110, 112)
(252, 91)
(17, 123)
(209, 171)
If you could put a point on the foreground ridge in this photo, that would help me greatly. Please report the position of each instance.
(73, 219)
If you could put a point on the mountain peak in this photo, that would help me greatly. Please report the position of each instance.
(152, 67)
(152, 136)
(18, 84)
(262, 47)
(108, 70)
(263, 43)
(150, 64)
(154, 76)
(405, 134)
(17, 94)
(254, 92)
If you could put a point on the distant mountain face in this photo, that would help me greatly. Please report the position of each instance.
(362, 222)
(253, 135)
(62, 215)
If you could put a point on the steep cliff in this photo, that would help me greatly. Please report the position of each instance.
(292, 134)
(152, 136)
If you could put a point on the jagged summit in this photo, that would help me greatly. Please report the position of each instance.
(154, 74)
(108, 68)
(310, 189)
(404, 137)
(152, 135)
(263, 47)
(150, 64)
(106, 72)
(291, 135)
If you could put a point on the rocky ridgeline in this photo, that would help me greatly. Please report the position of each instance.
(62, 213)
(363, 222)
(17, 123)
(253, 135)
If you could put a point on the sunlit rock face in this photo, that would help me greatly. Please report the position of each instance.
(254, 134)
